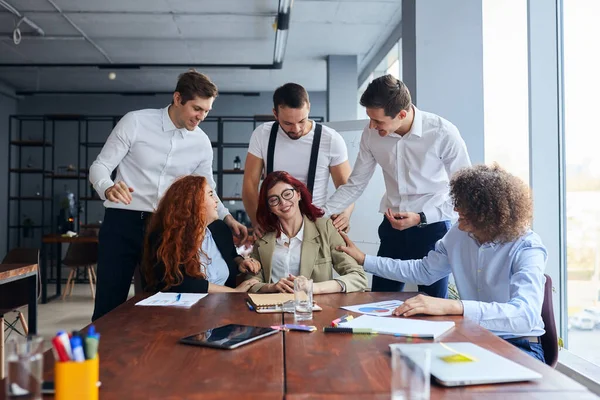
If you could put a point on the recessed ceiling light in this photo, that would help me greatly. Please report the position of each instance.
(112, 76)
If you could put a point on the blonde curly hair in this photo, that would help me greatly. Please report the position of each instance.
(496, 203)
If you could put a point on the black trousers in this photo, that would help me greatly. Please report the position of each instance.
(120, 249)
(410, 244)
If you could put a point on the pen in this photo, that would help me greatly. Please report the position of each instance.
(414, 336)
(178, 297)
(60, 352)
(367, 331)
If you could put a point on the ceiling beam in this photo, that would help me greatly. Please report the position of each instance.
(123, 93)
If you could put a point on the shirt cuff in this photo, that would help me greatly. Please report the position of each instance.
(342, 284)
(102, 186)
(472, 310)
(370, 263)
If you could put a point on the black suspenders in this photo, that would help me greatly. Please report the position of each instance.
(314, 154)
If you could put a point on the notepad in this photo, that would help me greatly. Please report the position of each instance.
(275, 302)
(401, 326)
(186, 300)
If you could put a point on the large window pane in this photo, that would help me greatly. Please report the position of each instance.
(505, 85)
(582, 85)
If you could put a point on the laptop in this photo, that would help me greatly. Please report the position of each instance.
(461, 364)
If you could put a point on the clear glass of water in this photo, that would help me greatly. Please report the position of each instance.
(24, 359)
(411, 368)
(303, 298)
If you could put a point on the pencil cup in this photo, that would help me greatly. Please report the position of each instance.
(77, 380)
(410, 373)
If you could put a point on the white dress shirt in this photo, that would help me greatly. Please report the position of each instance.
(149, 153)
(416, 168)
(500, 285)
(293, 156)
(286, 259)
(216, 271)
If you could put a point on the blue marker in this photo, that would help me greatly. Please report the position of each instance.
(178, 297)
(77, 349)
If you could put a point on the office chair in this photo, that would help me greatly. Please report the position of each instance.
(549, 340)
(81, 255)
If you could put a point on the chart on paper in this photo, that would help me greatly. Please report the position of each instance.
(379, 309)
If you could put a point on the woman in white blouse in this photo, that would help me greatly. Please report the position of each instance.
(299, 242)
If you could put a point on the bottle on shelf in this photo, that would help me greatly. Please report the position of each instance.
(237, 163)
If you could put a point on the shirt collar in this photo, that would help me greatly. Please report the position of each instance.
(417, 125)
(283, 238)
(168, 124)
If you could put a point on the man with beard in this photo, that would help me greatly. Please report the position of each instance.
(308, 151)
(149, 149)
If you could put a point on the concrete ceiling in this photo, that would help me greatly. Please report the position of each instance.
(186, 32)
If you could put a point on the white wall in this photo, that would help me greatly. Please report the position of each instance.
(443, 64)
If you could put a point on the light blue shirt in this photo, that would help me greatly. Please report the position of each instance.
(217, 270)
(500, 285)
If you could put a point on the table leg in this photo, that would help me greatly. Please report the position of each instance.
(32, 306)
(44, 270)
(1, 346)
(58, 268)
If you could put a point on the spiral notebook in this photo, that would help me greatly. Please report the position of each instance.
(274, 302)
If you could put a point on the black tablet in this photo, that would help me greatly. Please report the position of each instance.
(228, 336)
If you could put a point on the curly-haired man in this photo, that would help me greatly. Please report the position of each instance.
(497, 261)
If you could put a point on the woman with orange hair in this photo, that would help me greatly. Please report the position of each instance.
(188, 249)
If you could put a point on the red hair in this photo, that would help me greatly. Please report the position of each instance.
(269, 221)
(176, 231)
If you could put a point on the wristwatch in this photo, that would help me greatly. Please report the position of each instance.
(423, 221)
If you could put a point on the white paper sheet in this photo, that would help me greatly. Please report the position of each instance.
(400, 326)
(170, 300)
(379, 309)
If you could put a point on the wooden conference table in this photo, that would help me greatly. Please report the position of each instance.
(141, 359)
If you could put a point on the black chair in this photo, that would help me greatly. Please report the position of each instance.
(550, 338)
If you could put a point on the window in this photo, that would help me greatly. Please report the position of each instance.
(505, 85)
(581, 85)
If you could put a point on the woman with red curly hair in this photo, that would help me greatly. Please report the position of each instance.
(298, 242)
(188, 249)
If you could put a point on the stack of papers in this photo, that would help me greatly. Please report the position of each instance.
(399, 326)
(183, 300)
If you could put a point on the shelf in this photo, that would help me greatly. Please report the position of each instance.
(233, 171)
(32, 198)
(30, 143)
(236, 145)
(29, 170)
(231, 199)
(91, 198)
(93, 144)
(66, 176)
(90, 226)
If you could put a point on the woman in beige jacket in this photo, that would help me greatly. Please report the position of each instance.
(299, 242)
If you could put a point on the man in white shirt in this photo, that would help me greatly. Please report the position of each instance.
(294, 140)
(418, 152)
(149, 148)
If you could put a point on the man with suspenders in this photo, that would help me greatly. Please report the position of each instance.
(308, 151)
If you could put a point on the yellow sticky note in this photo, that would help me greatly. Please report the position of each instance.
(456, 358)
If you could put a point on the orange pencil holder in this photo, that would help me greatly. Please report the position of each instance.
(77, 380)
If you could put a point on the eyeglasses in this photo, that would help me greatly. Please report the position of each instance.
(287, 194)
